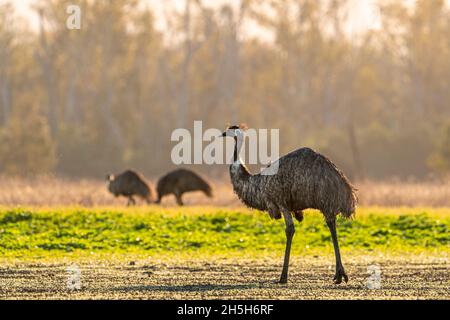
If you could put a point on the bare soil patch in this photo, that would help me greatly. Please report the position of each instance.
(239, 278)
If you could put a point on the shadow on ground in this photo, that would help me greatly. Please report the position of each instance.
(190, 288)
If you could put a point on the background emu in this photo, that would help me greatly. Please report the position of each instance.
(305, 179)
(180, 181)
(129, 184)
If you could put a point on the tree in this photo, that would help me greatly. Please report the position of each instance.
(439, 161)
(26, 146)
(7, 47)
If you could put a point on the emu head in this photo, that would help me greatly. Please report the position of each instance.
(110, 178)
(235, 131)
(110, 183)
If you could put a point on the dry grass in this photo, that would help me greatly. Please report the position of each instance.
(51, 191)
(410, 194)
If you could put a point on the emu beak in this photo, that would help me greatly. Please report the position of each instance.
(224, 134)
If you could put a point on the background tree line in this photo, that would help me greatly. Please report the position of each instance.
(105, 97)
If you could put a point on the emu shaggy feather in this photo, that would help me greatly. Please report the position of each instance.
(180, 181)
(305, 179)
(129, 183)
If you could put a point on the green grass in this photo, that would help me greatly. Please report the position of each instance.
(153, 230)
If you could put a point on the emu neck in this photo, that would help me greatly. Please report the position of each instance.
(237, 168)
(237, 149)
(246, 186)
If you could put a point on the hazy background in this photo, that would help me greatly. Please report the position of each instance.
(365, 82)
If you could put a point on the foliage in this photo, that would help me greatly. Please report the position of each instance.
(440, 160)
(26, 146)
(204, 230)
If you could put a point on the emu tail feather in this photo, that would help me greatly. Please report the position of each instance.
(348, 198)
(348, 210)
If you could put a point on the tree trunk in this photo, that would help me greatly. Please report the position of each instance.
(355, 150)
(183, 99)
(45, 60)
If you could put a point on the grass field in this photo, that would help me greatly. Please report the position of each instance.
(53, 232)
(154, 252)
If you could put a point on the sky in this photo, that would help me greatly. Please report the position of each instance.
(364, 13)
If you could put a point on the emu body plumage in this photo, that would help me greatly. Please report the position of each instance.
(180, 181)
(305, 179)
(128, 184)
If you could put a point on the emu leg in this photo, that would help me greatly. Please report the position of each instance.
(178, 197)
(131, 201)
(290, 230)
(340, 272)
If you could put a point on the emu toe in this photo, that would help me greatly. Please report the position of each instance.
(283, 278)
(282, 281)
(339, 275)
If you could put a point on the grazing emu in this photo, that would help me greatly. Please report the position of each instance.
(305, 179)
(128, 184)
(180, 181)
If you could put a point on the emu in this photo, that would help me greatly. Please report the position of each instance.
(304, 179)
(180, 181)
(129, 183)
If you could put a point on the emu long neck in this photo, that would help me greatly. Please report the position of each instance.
(237, 149)
(238, 172)
(237, 162)
(246, 186)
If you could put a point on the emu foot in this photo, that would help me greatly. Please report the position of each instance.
(340, 273)
(282, 281)
(283, 278)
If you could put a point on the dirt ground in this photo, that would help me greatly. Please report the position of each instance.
(239, 278)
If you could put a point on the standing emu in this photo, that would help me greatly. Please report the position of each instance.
(305, 179)
(180, 181)
(129, 184)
